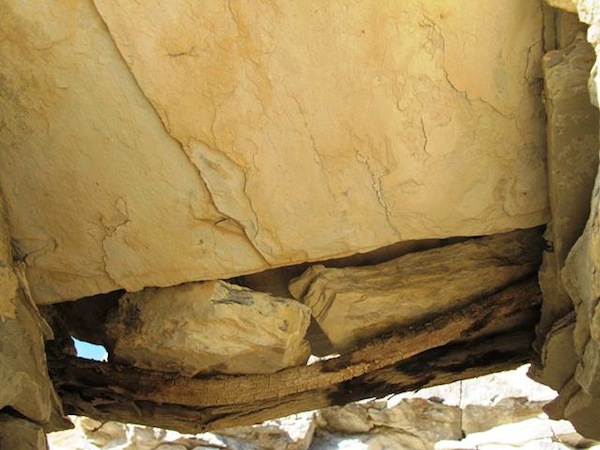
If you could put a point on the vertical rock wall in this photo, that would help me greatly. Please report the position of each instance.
(569, 278)
(27, 399)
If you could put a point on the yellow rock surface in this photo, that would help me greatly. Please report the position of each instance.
(152, 143)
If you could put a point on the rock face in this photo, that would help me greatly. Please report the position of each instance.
(159, 147)
(23, 372)
(27, 398)
(355, 304)
(571, 354)
(211, 140)
(209, 327)
(21, 434)
(572, 163)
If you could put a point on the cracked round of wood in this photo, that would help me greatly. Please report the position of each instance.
(152, 143)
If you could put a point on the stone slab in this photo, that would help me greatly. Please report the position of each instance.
(205, 140)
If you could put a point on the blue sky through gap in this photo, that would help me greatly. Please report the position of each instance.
(90, 351)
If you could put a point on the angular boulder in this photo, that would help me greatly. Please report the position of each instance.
(211, 327)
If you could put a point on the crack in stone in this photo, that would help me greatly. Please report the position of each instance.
(249, 234)
(431, 24)
(319, 158)
(377, 187)
(164, 120)
(109, 232)
(528, 60)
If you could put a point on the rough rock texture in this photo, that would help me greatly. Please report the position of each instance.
(207, 140)
(567, 5)
(27, 397)
(209, 327)
(355, 304)
(416, 420)
(572, 164)
(478, 418)
(573, 145)
(558, 356)
(572, 352)
(24, 383)
(20, 434)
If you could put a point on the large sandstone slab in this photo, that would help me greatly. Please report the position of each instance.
(355, 304)
(152, 143)
(209, 327)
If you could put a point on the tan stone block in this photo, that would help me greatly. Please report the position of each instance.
(573, 143)
(478, 418)
(156, 144)
(355, 304)
(583, 411)
(588, 370)
(209, 327)
(568, 27)
(557, 303)
(24, 382)
(558, 356)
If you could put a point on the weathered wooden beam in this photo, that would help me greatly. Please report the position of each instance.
(435, 367)
(394, 363)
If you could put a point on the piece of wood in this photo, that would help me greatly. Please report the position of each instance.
(108, 391)
(439, 366)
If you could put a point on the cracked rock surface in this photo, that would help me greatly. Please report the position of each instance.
(148, 145)
(570, 357)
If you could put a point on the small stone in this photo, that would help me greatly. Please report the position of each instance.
(351, 419)
(430, 421)
(477, 418)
